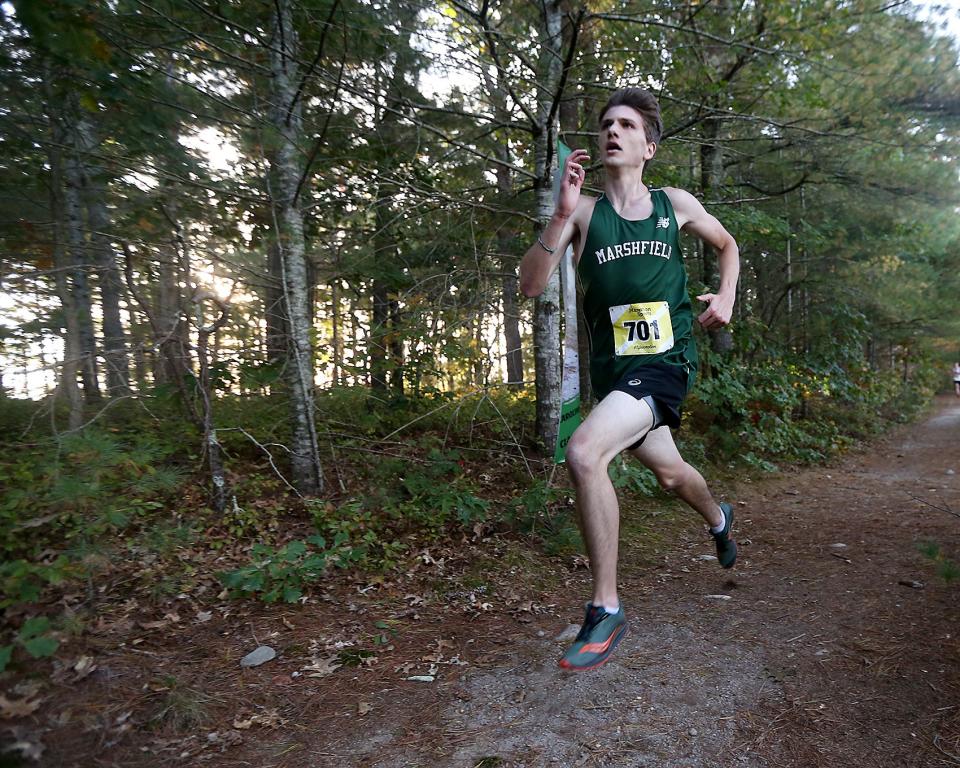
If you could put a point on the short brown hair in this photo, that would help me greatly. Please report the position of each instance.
(645, 103)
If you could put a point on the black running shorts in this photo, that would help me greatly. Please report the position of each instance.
(666, 384)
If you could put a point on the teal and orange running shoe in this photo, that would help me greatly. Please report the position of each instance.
(599, 635)
(726, 546)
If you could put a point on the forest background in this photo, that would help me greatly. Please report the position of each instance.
(259, 268)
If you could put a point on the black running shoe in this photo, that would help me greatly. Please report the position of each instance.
(726, 546)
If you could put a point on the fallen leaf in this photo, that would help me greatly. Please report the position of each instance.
(204, 616)
(267, 719)
(322, 666)
(27, 689)
(153, 624)
(363, 708)
(17, 707)
(84, 666)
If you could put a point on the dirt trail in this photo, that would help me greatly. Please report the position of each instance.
(820, 656)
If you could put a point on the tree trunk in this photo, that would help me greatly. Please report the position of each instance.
(396, 346)
(721, 340)
(335, 322)
(506, 241)
(287, 169)
(72, 354)
(386, 344)
(276, 329)
(546, 317)
(115, 356)
(378, 337)
(170, 323)
(79, 257)
(220, 491)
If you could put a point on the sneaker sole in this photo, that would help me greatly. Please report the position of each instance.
(621, 631)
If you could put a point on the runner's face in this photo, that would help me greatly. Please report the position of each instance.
(623, 140)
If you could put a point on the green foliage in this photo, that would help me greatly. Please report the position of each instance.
(545, 512)
(70, 496)
(633, 476)
(284, 573)
(774, 411)
(23, 582)
(35, 637)
(947, 568)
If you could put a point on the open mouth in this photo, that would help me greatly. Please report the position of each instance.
(613, 147)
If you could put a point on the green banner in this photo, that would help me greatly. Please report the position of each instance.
(570, 381)
(569, 421)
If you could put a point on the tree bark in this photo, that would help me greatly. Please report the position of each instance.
(546, 315)
(72, 354)
(116, 361)
(506, 240)
(79, 258)
(171, 324)
(287, 169)
(721, 339)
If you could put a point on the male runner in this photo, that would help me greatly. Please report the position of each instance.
(640, 322)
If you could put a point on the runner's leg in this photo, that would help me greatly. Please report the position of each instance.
(617, 422)
(660, 454)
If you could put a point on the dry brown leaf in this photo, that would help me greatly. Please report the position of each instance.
(17, 707)
(27, 689)
(363, 708)
(322, 666)
(83, 667)
(269, 719)
(153, 624)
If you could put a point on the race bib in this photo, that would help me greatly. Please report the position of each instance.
(641, 329)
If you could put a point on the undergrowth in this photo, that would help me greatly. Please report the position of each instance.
(403, 473)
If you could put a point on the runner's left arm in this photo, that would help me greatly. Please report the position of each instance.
(692, 216)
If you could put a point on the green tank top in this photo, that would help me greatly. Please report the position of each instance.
(633, 278)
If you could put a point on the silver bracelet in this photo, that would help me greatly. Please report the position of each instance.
(545, 247)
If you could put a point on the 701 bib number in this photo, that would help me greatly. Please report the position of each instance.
(641, 329)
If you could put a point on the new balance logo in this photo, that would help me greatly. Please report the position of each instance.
(663, 223)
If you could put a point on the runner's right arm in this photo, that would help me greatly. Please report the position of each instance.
(543, 256)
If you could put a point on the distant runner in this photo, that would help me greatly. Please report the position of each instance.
(956, 379)
(643, 356)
